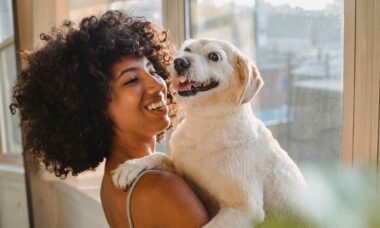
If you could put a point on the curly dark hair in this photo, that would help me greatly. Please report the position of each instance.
(64, 91)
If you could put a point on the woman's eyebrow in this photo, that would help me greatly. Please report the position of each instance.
(148, 64)
(126, 71)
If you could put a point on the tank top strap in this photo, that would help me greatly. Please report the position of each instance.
(129, 197)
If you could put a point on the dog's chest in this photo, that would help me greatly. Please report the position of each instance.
(213, 152)
(223, 158)
(197, 144)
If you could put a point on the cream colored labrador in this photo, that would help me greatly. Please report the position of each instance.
(226, 153)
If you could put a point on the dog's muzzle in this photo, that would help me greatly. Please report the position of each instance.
(181, 65)
(189, 87)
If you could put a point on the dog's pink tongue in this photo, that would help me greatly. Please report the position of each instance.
(186, 86)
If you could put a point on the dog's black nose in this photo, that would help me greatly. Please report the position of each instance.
(181, 64)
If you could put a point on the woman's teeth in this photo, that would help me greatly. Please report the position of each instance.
(156, 105)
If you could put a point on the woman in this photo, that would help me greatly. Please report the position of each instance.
(99, 92)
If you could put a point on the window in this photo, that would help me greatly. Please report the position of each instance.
(298, 47)
(150, 9)
(9, 130)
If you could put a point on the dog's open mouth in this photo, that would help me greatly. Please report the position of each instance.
(190, 88)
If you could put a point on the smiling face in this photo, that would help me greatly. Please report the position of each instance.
(138, 99)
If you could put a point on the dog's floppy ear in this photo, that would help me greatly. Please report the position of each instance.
(250, 77)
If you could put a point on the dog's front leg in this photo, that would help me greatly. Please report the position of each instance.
(127, 172)
(249, 212)
(229, 217)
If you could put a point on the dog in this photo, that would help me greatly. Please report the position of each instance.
(230, 158)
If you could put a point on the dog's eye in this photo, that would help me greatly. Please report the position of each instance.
(187, 49)
(215, 56)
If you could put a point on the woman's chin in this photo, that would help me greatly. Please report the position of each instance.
(162, 124)
(166, 122)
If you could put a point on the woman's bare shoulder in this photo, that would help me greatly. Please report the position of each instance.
(113, 202)
(165, 199)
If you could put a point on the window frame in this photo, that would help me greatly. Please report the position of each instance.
(361, 84)
(348, 80)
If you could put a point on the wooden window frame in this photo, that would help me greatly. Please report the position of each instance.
(361, 83)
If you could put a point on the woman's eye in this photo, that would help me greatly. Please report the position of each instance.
(133, 80)
(154, 73)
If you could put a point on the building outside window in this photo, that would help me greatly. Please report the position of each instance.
(298, 48)
(150, 9)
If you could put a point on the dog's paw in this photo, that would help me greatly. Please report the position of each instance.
(126, 173)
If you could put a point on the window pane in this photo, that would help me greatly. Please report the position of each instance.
(298, 47)
(6, 20)
(150, 9)
(9, 124)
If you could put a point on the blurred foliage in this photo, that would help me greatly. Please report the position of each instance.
(340, 198)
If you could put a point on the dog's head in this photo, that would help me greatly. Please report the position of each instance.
(209, 72)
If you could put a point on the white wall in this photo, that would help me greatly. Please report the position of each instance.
(56, 203)
(13, 206)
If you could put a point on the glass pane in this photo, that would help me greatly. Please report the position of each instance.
(150, 9)
(11, 135)
(6, 20)
(10, 132)
(298, 47)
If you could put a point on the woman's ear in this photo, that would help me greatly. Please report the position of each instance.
(250, 79)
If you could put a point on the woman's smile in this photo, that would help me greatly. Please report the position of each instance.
(158, 107)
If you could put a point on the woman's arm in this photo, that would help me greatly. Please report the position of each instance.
(163, 199)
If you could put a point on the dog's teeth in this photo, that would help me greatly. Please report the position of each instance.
(182, 79)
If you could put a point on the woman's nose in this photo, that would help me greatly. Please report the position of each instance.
(154, 84)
